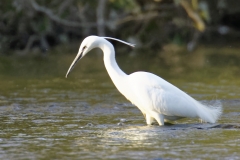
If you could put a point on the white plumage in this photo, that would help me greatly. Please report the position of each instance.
(156, 98)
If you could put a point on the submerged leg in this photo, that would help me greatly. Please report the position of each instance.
(149, 119)
(201, 121)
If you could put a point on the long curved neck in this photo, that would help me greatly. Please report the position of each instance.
(115, 73)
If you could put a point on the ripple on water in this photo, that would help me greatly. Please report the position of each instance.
(74, 127)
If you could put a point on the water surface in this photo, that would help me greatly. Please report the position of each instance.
(43, 115)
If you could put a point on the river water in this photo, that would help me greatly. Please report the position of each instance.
(43, 115)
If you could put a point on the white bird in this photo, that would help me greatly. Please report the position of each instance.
(156, 98)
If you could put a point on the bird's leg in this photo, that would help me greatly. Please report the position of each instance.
(149, 119)
(158, 117)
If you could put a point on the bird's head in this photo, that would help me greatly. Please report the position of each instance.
(87, 45)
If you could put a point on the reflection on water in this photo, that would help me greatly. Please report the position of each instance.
(45, 116)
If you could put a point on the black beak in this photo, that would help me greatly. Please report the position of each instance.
(78, 57)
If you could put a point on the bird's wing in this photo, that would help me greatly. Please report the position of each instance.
(173, 102)
(154, 93)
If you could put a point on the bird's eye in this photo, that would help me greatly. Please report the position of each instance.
(84, 47)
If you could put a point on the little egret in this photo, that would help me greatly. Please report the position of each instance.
(156, 98)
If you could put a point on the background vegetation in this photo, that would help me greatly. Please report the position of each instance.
(27, 26)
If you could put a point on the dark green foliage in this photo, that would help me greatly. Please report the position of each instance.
(42, 24)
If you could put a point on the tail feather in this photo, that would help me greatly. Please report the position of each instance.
(210, 113)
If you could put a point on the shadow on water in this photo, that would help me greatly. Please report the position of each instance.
(43, 115)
